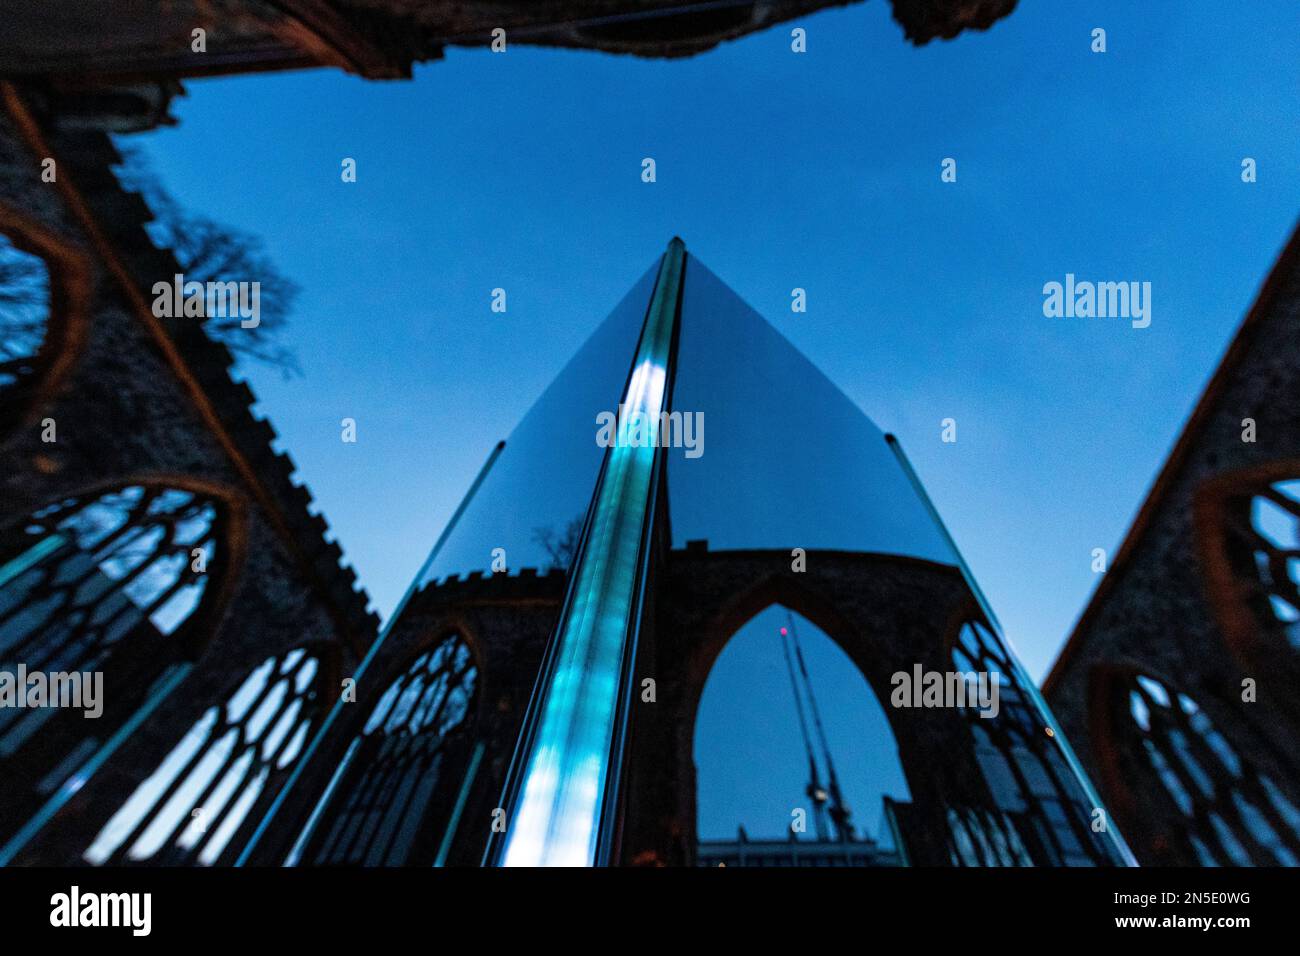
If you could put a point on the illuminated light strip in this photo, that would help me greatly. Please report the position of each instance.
(566, 767)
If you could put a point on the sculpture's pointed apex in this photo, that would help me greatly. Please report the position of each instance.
(676, 244)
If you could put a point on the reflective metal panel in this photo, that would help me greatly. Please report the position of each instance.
(787, 459)
(543, 480)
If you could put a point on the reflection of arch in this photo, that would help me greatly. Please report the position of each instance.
(884, 612)
(739, 610)
(803, 600)
(890, 614)
(1184, 790)
(69, 291)
(1042, 814)
(203, 793)
(392, 794)
(107, 581)
(1252, 573)
(809, 678)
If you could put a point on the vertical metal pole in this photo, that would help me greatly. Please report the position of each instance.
(557, 795)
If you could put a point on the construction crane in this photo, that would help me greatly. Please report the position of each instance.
(827, 801)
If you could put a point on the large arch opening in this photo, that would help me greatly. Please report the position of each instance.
(1248, 542)
(796, 763)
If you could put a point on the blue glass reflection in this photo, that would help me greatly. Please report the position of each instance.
(542, 482)
(789, 461)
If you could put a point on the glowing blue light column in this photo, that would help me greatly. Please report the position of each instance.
(566, 768)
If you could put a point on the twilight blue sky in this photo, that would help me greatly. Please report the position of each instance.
(819, 170)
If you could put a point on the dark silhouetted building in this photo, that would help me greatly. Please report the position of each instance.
(1179, 681)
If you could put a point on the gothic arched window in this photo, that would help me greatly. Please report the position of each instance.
(389, 804)
(1229, 812)
(1044, 816)
(191, 807)
(24, 309)
(1274, 534)
(1254, 559)
(97, 583)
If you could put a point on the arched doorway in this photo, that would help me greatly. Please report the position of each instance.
(795, 760)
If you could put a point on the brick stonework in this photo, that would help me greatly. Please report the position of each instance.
(128, 408)
(1161, 610)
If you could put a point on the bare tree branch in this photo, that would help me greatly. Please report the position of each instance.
(561, 547)
(209, 251)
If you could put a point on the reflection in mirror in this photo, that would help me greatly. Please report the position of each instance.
(794, 755)
(385, 808)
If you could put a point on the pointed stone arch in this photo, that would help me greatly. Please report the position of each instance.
(885, 612)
